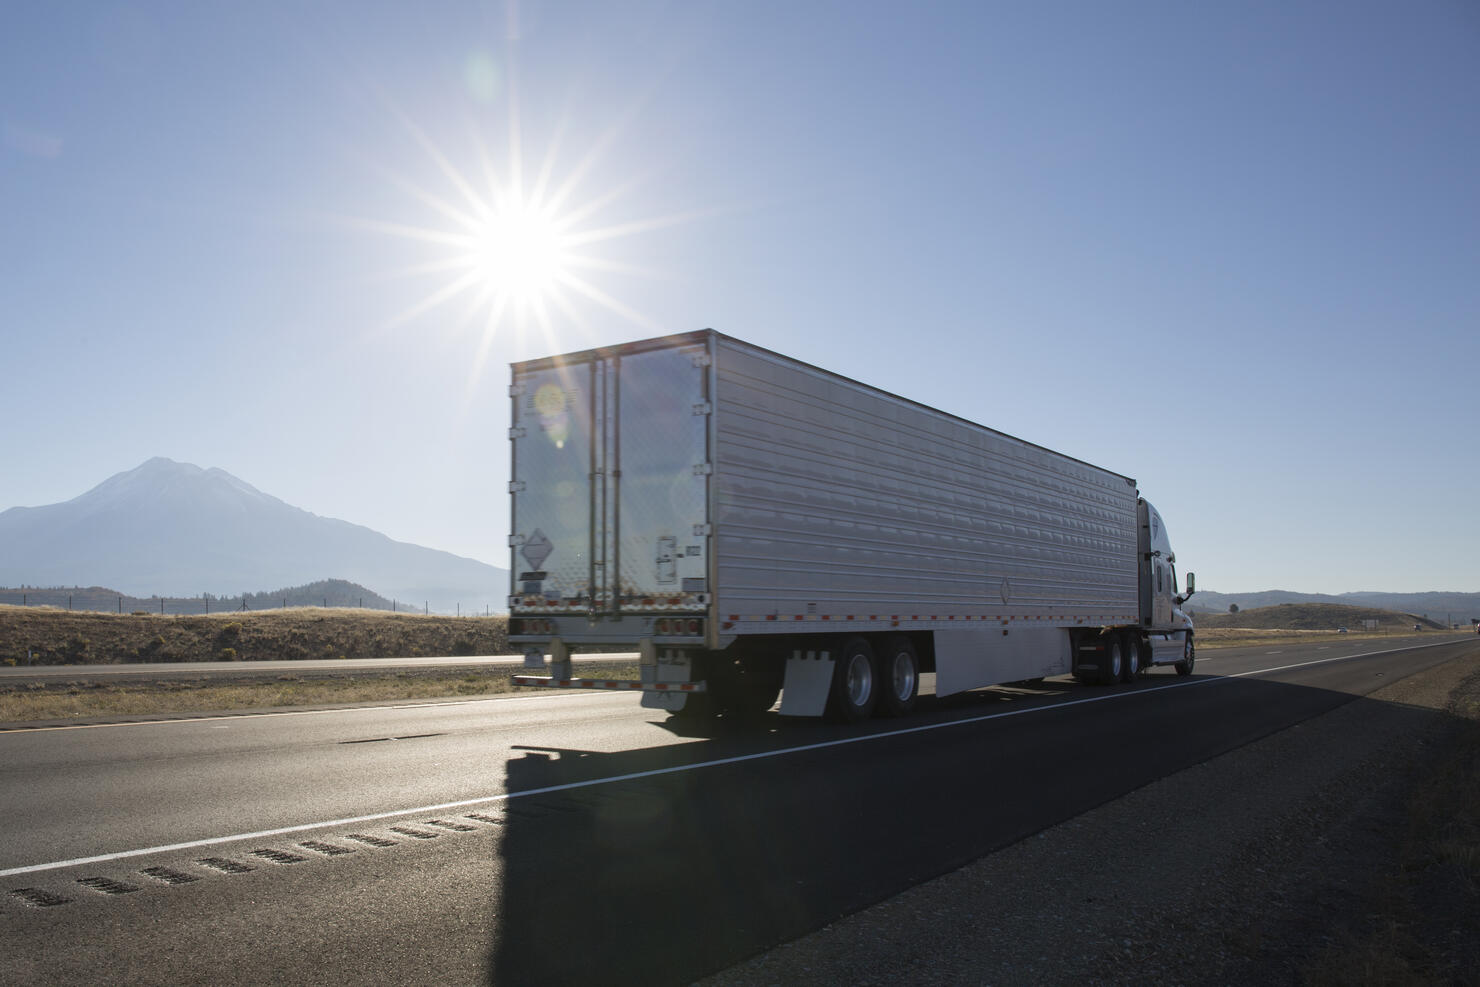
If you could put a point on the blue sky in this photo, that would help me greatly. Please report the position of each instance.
(1232, 250)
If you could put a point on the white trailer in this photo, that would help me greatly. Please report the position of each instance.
(751, 524)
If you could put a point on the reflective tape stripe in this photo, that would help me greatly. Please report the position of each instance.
(936, 618)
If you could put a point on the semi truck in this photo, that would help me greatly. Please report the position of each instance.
(752, 526)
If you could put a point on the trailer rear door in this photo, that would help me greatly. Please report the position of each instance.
(611, 482)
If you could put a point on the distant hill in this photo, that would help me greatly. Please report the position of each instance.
(1460, 606)
(176, 530)
(325, 593)
(1315, 617)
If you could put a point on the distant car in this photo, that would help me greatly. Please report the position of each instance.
(1418, 627)
(1341, 630)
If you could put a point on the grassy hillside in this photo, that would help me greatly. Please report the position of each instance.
(1313, 617)
(57, 637)
(1459, 606)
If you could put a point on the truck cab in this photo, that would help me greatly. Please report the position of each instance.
(1160, 610)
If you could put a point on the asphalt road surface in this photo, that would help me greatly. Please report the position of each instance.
(572, 837)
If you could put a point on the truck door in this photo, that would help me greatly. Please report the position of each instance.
(1161, 611)
(555, 454)
(610, 488)
(658, 519)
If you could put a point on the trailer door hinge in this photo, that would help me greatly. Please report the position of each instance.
(516, 390)
(701, 360)
(516, 486)
(703, 469)
(703, 530)
(517, 432)
(703, 409)
(515, 541)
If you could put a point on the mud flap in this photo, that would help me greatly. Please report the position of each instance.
(808, 681)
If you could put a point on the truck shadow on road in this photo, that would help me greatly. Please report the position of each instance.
(664, 864)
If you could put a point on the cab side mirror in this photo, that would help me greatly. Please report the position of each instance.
(1191, 583)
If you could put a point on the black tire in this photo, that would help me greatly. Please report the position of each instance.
(1133, 662)
(1189, 658)
(898, 676)
(855, 683)
(1112, 660)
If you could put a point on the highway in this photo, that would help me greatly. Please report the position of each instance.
(21, 674)
(573, 837)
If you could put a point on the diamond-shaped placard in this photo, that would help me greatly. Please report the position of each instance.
(537, 549)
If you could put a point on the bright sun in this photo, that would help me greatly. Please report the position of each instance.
(520, 252)
(517, 248)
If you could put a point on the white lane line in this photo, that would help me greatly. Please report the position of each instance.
(676, 769)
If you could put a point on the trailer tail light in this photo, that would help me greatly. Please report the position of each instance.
(677, 626)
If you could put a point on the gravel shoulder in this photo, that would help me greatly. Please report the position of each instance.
(1302, 858)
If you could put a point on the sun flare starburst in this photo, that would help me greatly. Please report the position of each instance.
(520, 250)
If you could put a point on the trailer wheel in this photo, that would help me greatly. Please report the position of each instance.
(899, 677)
(854, 685)
(1189, 656)
(1131, 665)
(1112, 660)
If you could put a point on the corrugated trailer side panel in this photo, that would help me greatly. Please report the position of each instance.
(838, 505)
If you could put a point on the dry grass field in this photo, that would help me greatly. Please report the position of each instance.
(1313, 617)
(95, 700)
(1292, 623)
(60, 637)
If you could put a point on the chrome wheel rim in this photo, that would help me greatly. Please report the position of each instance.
(860, 679)
(903, 676)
